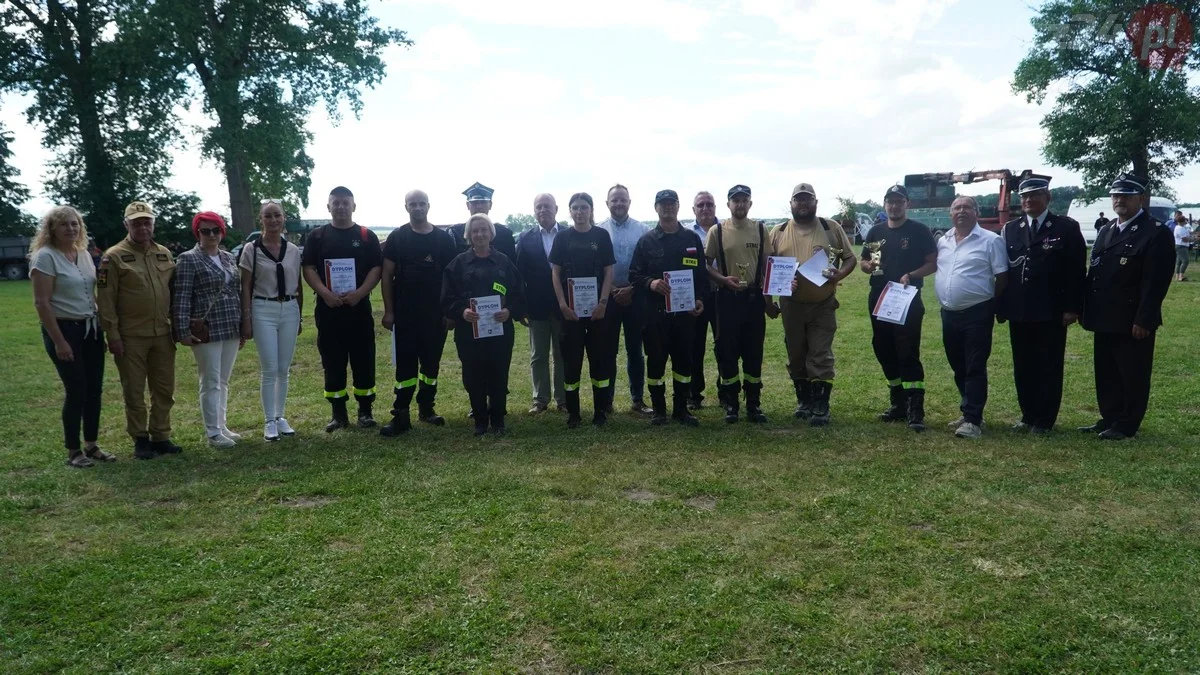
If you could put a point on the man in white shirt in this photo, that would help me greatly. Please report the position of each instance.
(972, 270)
(627, 308)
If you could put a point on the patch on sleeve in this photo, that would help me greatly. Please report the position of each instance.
(499, 288)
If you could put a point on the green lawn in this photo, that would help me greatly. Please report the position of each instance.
(861, 547)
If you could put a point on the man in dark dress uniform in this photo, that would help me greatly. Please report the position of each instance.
(1127, 280)
(479, 200)
(1047, 260)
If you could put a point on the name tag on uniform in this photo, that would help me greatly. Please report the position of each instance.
(162, 256)
(690, 262)
(499, 288)
(128, 257)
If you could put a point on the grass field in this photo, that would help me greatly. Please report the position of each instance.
(860, 547)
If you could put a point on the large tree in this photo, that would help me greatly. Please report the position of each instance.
(1117, 111)
(104, 96)
(262, 65)
(14, 221)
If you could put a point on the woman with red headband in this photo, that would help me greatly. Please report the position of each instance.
(206, 312)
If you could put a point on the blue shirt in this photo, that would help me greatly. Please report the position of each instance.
(624, 237)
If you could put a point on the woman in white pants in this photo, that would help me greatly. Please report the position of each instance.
(207, 313)
(271, 310)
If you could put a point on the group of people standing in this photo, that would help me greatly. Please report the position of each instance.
(578, 288)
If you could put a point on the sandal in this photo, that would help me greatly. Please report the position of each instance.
(79, 461)
(99, 455)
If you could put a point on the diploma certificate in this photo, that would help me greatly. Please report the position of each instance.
(583, 294)
(780, 272)
(894, 302)
(340, 275)
(487, 307)
(683, 291)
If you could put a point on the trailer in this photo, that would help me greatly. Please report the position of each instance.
(14, 258)
(931, 194)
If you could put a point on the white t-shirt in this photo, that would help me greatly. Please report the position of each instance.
(74, 282)
(1181, 231)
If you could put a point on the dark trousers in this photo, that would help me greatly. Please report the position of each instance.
(1123, 367)
(898, 347)
(347, 334)
(741, 330)
(1038, 349)
(82, 378)
(485, 364)
(599, 340)
(420, 340)
(701, 326)
(967, 337)
(669, 336)
(630, 320)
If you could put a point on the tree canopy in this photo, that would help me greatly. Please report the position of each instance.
(13, 220)
(1117, 111)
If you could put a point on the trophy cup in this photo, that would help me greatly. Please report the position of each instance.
(876, 249)
(835, 261)
(743, 271)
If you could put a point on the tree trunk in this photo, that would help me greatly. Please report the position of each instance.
(240, 205)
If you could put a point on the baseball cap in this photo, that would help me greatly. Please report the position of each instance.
(666, 196)
(738, 190)
(138, 210)
(804, 188)
(896, 190)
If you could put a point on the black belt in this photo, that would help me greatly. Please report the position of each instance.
(285, 298)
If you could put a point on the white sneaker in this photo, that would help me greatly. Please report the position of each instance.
(221, 441)
(968, 430)
(270, 431)
(961, 421)
(284, 428)
(233, 435)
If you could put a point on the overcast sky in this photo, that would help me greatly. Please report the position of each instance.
(552, 96)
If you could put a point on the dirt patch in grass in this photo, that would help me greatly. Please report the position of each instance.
(702, 502)
(307, 501)
(921, 527)
(997, 570)
(642, 496)
(343, 546)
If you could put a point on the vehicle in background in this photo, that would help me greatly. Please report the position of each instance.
(250, 238)
(931, 194)
(14, 257)
(1085, 212)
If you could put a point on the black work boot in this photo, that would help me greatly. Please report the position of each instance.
(165, 447)
(680, 413)
(427, 415)
(141, 448)
(728, 395)
(916, 409)
(366, 419)
(803, 399)
(754, 413)
(602, 405)
(820, 406)
(898, 410)
(573, 417)
(340, 419)
(658, 402)
(401, 422)
(481, 422)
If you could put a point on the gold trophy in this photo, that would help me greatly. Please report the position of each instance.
(876, 249)
(835, 261)
(743, 272)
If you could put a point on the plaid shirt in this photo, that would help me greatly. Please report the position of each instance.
(201, 291)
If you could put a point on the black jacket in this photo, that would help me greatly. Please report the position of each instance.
(1129, 276)
(504, 241)
(534, 268)
(658, 252)
(1046, 271)
(469, 276)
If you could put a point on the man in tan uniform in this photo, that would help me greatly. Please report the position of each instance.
(809, 315)
(133, 289)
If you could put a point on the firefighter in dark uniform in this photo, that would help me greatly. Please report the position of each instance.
(414, 257)
(479, 200)
(480, 272)
(1047, 260)
(345, 329)
(1127, 280)
(738, 245)
(668, 248)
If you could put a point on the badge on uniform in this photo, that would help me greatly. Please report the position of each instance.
(1133, 229)
(102, 273)
(499, 288)
(355, 243)
(162, 256)
(128, 257)
(1124, 260)
(595, 247)
(691, 262)
(904, 244)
